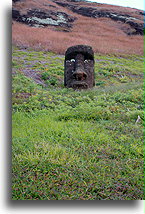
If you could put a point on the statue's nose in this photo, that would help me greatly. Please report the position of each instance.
(79, 75)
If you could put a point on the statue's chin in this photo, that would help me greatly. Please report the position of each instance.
(80, 85)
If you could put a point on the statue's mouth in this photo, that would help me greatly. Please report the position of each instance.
(79, 85)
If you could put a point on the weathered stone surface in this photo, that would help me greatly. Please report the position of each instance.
(136, 24)
(40, 18)
(79, 67)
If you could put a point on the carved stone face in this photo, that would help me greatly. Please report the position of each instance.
(79, 67)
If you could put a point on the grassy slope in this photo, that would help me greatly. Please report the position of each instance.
(70, 145)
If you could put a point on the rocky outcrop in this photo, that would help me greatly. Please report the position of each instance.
(62, 14)
(133, 22)
(40, 18)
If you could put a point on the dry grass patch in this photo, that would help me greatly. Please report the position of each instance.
(103, 34)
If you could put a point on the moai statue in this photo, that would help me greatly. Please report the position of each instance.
(79, 67)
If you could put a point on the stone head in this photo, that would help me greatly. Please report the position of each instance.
(79, 67)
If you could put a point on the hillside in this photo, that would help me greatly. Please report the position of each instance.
(54, 25)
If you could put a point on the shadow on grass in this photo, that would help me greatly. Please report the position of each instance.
(124, 205)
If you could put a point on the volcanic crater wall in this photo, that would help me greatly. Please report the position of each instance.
(136, 23)
(55, 25)
(41, 18)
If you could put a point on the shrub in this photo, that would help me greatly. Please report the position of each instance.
(45, 75)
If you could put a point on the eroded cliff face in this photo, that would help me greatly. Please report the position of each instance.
(135, 22)
(41, 18)
(52, 14)
(42, 14)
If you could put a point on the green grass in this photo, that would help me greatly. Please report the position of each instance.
(77, 145)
